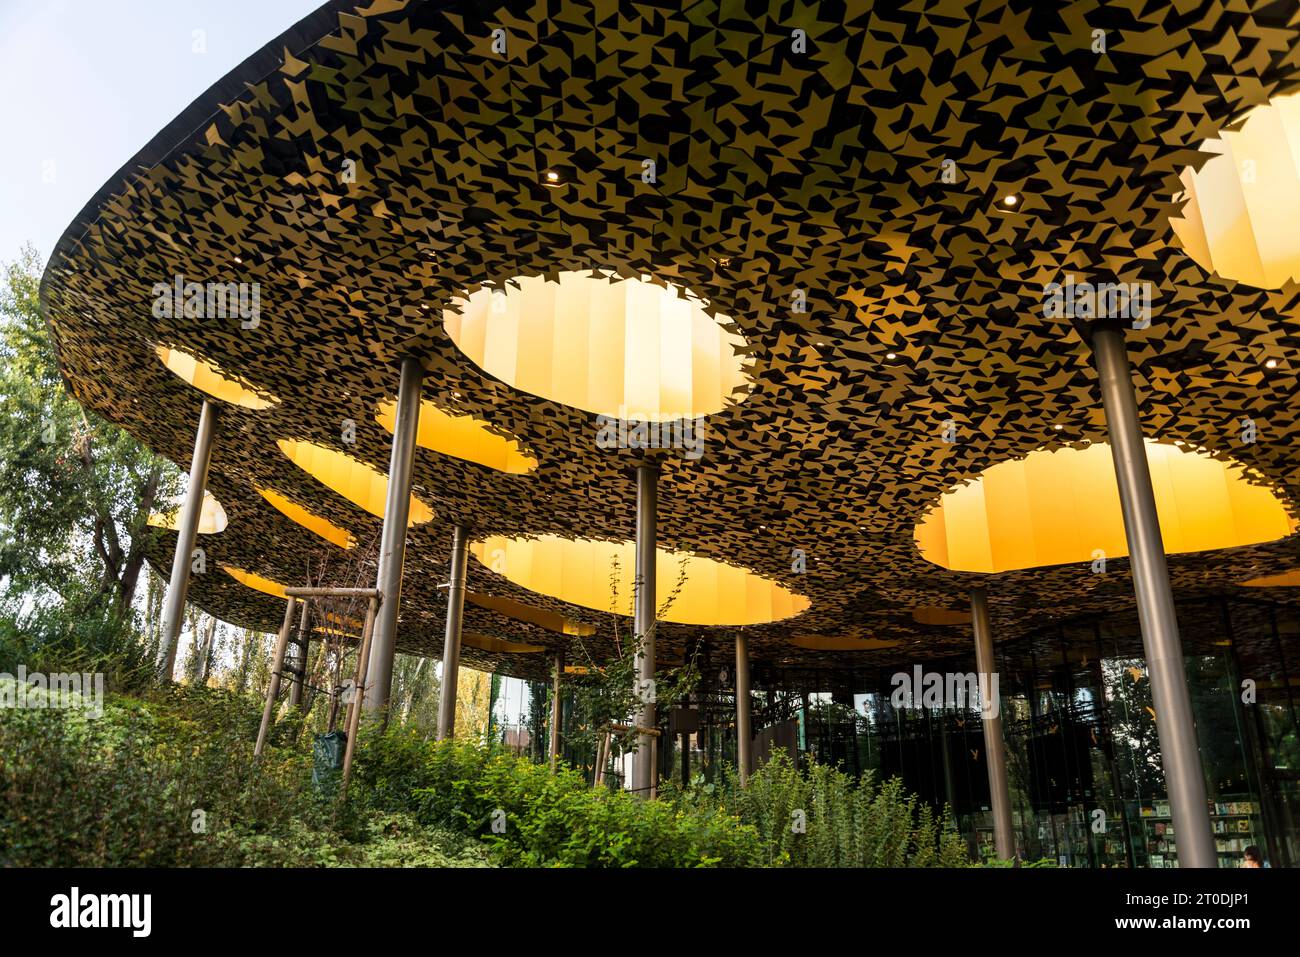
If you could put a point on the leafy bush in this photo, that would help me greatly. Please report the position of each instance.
(544, 818)
(122, 790)
(822, 817)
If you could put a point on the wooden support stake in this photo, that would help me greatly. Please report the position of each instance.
(654, 763)
(273, 689)
(331, 592)
(358, 694)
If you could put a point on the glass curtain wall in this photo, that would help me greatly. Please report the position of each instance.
(1083, 751)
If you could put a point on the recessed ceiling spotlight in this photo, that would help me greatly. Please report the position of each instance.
(1270, 364)
(552, 176)
(763, 527)
(891, 355)
(1010, 200)
(455, 395)
(1058, 427)
(238, 260)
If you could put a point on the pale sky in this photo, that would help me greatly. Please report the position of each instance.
(84, 84)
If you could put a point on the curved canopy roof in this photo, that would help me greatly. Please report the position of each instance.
(832, 181)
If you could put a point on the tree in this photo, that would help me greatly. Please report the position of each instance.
(76, 491)
(414, 698)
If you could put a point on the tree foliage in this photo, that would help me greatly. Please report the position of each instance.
(76, 493)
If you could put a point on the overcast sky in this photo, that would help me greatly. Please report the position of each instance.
(84, 84)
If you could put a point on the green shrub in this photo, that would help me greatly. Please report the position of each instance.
(822, 817)
(544, 818)
(122, 790)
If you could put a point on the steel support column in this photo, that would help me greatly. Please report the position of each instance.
(1184, 777)
(991, 711)
(451, 643)
(187, 533)
(644, 772)
(744, 738)
(392, 542)
(555, 708)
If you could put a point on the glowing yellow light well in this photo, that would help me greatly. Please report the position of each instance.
(933, 615)
(212, 517)
(207, 378)
(252, 580)
(1055, 507)
(619, 347)
(825, 643)
(309, 520)
(551, 621)
(582, 573)
(463, 437)
(1289, 579)
(357, 482)
(1243, 204)
(498, 645)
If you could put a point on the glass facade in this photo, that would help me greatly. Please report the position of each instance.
(1083, 752)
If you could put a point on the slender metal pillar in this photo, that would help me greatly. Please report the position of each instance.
(555, 708)
(995, 752)
(451, 644)
(187, 533)
(644, 772)
(1184, 777)
(299, 680)
(744, 738)
(392, 542)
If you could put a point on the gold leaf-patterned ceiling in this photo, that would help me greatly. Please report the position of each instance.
(383, 159)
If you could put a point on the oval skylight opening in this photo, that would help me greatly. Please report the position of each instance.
(308, 520)
(212, 517)
(1061, 506)
(620, 347)
(1243, 204)
(255, 581)
(360, 484)
(209, 379)
(463, 437)
(598, 575)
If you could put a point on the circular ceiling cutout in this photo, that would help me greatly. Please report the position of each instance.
(209, 379)
(1244, 203)
(255, 581)
(620, 347)
(499, 645)
(598, 575)
(1057, 507)
(934, 615)
(309, 520)
(212, 517)
(551, 621)
(357, 482)
(463, 437)
(1288, 579)
(827, 643)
